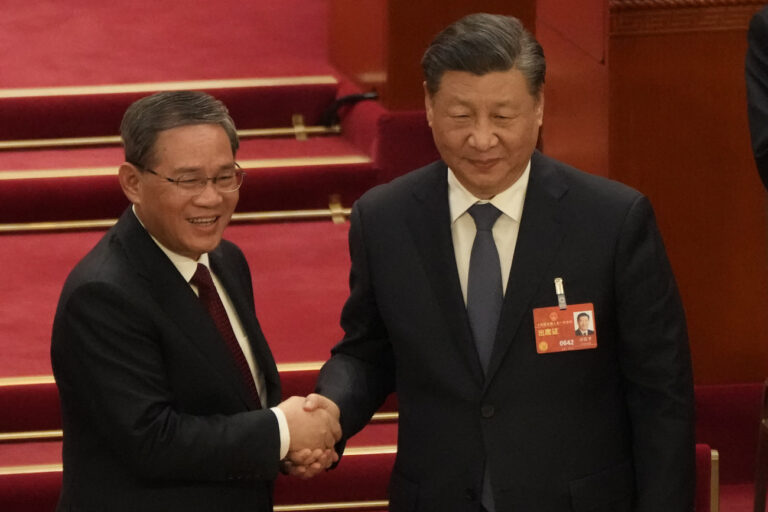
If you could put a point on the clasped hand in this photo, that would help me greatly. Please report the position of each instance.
(313, 423)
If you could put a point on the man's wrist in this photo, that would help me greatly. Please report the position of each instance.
(285, 434)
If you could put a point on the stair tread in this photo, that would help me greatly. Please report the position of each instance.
(112, 156)
(370, 440)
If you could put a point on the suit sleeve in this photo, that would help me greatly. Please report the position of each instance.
(756, 74)
(655, 361)
(360, 373)
(111, 367)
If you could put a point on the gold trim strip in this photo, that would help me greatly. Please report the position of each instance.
(260, 163)
(32, 435)
(309, 366)
(385, 417)
(46, 468)
(714, 482)
(285, 132)
(108, 140)
(26, 470)
(106, 223)
(57, 226)
(286, 215)
(385, 449)
(55, 435)
(58, 173)
(346, 505)
(61, 142)
(233, 83)
(27, 380)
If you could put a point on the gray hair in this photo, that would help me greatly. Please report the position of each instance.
(149, 116)
(481, 43)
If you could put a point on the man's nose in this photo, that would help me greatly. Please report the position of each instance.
(483, 136)
(209, 196)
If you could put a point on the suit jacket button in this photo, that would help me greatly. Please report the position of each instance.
(471, 495)
(487, 410)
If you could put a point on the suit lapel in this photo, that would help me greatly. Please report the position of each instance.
(233, 282)
(540, 235)
(430, 225)
(177, 300)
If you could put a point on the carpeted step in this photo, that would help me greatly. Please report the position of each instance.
(31, 404)
(30, 476)
(300, 274)
(282, 174)
(89, 111)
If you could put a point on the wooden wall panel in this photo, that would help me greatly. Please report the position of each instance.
(357, 44)
(575, 127)
(379, 43)
(678, 133)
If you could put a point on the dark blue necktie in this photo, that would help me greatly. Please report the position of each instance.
(484, 290)
(484, 297)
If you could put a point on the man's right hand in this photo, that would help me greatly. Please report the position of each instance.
(310, 429)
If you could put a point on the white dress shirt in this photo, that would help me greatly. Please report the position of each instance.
(505, 230)
(187, 268)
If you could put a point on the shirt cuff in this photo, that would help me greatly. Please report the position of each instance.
(285, 434)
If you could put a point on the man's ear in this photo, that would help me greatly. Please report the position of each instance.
(540, 107)
(130, 182)
(428, 104)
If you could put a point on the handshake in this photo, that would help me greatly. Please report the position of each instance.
(313, 423)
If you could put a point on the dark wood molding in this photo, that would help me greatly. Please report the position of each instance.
(641, 17)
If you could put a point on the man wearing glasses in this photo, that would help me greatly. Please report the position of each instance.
(169, 392)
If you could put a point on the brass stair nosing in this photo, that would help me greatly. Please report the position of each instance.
(57, 435)
(149, 87)
(247, 164)
(108, 140)
(283, 215)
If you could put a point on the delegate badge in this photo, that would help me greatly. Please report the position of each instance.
(559, 328)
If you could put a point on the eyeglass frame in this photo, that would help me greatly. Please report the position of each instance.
(239, 173)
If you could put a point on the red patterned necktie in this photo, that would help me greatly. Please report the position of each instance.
(212, 302)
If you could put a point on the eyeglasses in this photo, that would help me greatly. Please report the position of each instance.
(194, 183)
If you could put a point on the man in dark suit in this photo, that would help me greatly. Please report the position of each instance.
(757, 89)
(170, 401)
(492, 416)
(582, 320)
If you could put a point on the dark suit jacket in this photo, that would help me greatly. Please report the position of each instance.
(155, 413)
(589, 332)
(603, 429)
(757, 89)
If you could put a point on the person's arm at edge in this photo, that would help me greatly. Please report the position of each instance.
(656, 365)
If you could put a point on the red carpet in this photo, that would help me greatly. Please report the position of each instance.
(299, 272)
(299, 269)
(85, 42)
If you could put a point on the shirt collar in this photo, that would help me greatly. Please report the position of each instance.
(509, 201)
(186, 266)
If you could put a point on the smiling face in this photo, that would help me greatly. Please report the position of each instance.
(485, 127)
(189, 225)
